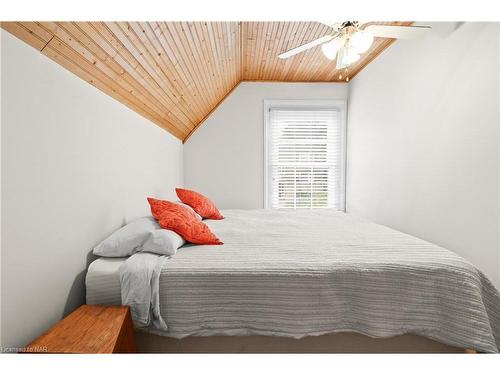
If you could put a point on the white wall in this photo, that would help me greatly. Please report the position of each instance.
(423, 141)
(224, 157)
(76, 165)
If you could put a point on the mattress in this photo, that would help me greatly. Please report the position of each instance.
(312, 272)
(103, 282)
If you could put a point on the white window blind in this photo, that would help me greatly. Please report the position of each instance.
(305, 156)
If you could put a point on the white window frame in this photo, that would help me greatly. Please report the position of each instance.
(309, 104)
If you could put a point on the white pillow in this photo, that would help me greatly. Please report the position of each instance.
(132, 237)
(163, 242)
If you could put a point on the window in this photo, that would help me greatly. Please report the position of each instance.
(304, 154)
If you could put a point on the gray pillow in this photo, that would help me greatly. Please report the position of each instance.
(163, 242)
(133, 237)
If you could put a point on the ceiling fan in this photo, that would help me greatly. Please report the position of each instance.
(350, 39)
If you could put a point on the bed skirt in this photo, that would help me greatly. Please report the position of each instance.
(345, 342)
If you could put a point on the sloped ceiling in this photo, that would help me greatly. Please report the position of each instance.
(177, 73)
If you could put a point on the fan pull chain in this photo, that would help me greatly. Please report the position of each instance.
(346, 75)
(346, 71)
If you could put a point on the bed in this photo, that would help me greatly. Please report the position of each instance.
(315, 272)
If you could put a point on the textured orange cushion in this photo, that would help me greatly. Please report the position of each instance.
(199, 203)
(182, 221)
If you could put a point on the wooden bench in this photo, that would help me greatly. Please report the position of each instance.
(89, 329)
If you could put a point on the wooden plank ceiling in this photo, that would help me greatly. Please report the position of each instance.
(176, 73)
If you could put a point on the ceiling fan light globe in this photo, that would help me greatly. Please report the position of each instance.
(351, 57)
(361, 41)
(350, 54)
(330, 49)
(347, 56)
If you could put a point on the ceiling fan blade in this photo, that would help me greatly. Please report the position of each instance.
(363, 23)
(402, 32)
(334, 25)
(306, 46)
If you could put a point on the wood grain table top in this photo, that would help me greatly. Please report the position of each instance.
(89, 329)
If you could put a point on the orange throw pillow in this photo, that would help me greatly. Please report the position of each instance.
(199, 203)
(182, 221)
